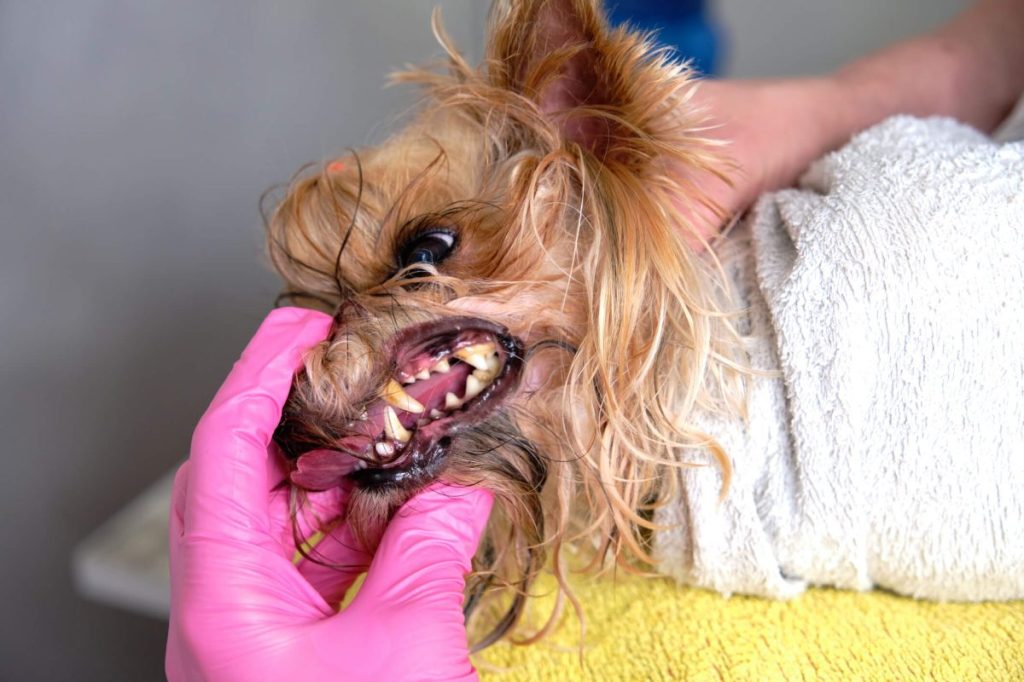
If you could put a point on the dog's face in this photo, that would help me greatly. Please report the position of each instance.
(515, 304)
(457, 308)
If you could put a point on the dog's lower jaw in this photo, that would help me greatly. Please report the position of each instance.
(424, 465)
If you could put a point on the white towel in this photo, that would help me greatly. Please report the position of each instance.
(889, 290)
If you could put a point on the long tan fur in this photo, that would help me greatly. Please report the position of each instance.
(558, 164)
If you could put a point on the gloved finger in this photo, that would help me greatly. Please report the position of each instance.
(277, 467)
(334, 563)
(228, 479)
(319, 509)
(410, 606)
(297, 515)
(312, 533)
(176, 517)
(427, 549)
(178, 492)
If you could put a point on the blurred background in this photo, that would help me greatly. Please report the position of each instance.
(135, 141)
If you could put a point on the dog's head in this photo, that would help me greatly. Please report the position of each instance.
(516, 301)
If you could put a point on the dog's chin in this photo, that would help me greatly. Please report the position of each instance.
(448, 376)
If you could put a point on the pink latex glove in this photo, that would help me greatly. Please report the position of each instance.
(240, 609)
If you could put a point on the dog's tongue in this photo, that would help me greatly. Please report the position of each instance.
(322, 469)
(431, 392)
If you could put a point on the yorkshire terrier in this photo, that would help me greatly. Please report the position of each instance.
(522, 299)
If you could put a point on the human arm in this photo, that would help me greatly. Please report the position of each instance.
(971, 69)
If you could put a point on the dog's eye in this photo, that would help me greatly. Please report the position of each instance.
(426, 248)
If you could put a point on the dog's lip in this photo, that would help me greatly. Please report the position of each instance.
(419, 337)
(423, 455)
(423, 461)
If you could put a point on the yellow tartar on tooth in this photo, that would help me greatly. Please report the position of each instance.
(394, 394)
(476, 354)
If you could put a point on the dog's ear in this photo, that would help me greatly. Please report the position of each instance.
(552, 51)
(548, 50)
(657, 346)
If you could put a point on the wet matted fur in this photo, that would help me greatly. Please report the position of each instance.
(560, 169)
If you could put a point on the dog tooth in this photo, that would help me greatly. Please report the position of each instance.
(393, 427)
(408, 379)
(484, 376)
(384, 449)
(478, 361)
(451, 401)
(473, 387)
(363, 417)
(436, 414)
(493, 363)
(394, 394)
(424, 374)
(442, 366)
(476, 354)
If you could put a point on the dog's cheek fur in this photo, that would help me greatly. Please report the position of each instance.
(574, 125)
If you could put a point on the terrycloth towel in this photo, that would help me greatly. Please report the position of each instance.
(655, 630)
(889, 291)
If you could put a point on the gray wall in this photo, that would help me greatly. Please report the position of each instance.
(135, 140)
(801, 37)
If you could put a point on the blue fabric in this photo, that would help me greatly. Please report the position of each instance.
(683, 25)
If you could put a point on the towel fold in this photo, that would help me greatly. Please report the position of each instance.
(889, 291)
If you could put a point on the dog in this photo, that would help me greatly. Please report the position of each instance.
(522, 299)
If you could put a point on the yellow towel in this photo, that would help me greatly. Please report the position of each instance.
(653, 629)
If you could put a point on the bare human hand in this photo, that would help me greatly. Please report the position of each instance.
(969, 69)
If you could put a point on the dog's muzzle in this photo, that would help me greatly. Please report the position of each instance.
(447, 376)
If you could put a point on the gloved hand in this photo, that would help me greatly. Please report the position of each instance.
(241, 610)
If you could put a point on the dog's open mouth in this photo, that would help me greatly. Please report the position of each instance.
(447, 376)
